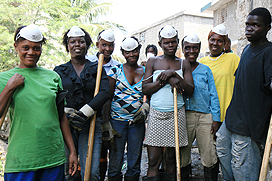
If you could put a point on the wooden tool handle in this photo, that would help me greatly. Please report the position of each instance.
(92, 124)
(266, 153)
(176, 134)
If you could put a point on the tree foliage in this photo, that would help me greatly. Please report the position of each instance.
(54, 17)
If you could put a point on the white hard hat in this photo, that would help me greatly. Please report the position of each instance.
(75, 31)
(107, 35)
(192, 38)
(31, 33)
(220, 29)
(168, 32)
(129, 44)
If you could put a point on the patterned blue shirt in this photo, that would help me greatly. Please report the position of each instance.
(127, 99)
(205, 98)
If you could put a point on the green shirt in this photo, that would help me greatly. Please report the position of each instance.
(35, 139)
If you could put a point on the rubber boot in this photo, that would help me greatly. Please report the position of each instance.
(116, 178)
(185, 172)
(155, 178)
(168, 176)
(211, 173)
(132, 178)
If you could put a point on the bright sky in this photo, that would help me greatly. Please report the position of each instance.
(137, 14)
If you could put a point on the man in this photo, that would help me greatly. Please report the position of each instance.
(163, 74)
(247, 118)
(202, 112)
(105, 45)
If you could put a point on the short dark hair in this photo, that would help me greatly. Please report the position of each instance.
(43, 41)
(264, 13)
(182, 43)
(151, 46)
(87, 37)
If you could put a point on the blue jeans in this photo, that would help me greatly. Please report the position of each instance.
(46, 174)
(80, 139)
(133, 135)
(239, 155)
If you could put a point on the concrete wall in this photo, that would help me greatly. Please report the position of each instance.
(243, 8)
(185, 23)
(236, 17)
(229, 23)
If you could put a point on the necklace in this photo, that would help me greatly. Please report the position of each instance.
(216, 58)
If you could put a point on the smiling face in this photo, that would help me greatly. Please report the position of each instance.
(216, 45)
(255, 29)
(132, 56)
(29, 53)
(105, 47)
(169, 45)
(191, 51)
(77, 47)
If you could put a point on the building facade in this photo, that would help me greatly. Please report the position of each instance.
(185, 23)
(233, 13)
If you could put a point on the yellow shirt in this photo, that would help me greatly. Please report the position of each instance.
(223, 70)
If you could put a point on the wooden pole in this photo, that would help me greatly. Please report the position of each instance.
(176, 134)
(266, 153)
(5, 113)
(92, 124)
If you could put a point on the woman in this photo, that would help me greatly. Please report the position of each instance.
(150, 51)
(163, 74)
(223, 66)
(202, 112)
(78, 77)
(36, 147)
(127, 116)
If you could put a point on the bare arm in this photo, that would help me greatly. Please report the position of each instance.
(107, 105)
(187, 82)
(15, 81)
(149, 87)
(73, 161)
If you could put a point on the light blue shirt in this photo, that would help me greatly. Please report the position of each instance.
(107, 66)
(205, 98)
(163, 99)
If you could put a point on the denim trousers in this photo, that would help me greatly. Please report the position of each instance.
(239, 156)
(80, 139)
(133, 135)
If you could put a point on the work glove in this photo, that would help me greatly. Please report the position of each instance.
(108, 135)
(141, 115)
(77, 118)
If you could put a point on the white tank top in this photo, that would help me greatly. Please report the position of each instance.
(163, 99)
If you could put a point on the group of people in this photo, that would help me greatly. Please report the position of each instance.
(51, 111)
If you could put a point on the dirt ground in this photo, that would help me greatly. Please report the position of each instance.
(197, 169)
